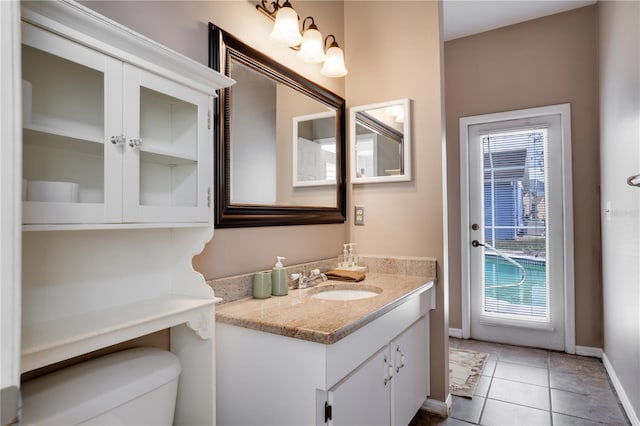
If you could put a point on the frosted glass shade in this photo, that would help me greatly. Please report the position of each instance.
(285, 29)
(311, 50)
(334, 63)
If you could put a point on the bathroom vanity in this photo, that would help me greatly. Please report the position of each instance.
(301, 360)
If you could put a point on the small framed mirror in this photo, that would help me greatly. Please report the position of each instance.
(381, 142)
(314, 147)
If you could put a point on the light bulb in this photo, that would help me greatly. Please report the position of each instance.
(285, 29)
(311, 50)
(334, 62)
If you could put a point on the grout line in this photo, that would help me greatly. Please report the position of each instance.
(493, 376)
(486, 397)
(549, 389)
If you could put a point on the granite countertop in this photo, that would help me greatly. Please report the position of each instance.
(322, 321)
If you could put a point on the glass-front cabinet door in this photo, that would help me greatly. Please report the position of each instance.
(72, 98)
(105, 142)
(167, 160)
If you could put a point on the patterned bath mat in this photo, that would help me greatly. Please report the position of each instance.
(464, 371)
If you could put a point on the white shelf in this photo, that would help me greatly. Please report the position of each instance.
(164, 157)
(73, 134)
(63, 338)
(113, 226)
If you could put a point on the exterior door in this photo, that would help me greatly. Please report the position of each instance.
(516, 241)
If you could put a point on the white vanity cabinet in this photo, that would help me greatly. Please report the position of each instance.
(377, 375)
(109, 136)
(387, 389)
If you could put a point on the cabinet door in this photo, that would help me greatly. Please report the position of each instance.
(72, 98)
(411, 366)
(363, 397)
(167, 160)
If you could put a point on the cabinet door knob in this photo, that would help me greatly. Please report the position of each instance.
(117, 140)
(135, 143)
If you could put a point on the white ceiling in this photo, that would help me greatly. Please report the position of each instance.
(466, 17)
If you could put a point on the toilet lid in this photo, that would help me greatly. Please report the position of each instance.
(82, 391)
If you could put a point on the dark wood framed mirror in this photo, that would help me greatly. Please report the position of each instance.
(255, 123)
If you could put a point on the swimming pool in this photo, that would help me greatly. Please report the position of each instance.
(528, 299)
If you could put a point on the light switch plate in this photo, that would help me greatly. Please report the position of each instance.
(359, 215)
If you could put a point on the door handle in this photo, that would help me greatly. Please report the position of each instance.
(476, 243)
(398, 350)
(389, 370)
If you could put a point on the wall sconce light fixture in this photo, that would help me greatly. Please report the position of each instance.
(312, 47)
(309, 44)
(334, 60)
(285, 29)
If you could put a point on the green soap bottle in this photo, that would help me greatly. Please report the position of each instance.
(279, 283)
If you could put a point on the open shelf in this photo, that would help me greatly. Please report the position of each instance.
(56, 340)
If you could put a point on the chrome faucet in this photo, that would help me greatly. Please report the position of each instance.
(302, 280)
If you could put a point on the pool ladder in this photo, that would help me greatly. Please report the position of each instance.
(476, 243)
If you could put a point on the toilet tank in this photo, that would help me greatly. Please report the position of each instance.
(131, 387)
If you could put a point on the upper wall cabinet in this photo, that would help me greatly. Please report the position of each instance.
(117, 132)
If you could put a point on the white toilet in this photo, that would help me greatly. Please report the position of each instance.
(132, 387)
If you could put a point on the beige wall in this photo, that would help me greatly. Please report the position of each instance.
(182, 26)
(619, 55)
(416, 228)
(546, 61)
(403, 218)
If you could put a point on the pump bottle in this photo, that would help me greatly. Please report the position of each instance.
(279, 283)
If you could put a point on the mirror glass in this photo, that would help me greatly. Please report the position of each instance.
(279, 142)
(265, 143)
(381, 142)
(314, 145)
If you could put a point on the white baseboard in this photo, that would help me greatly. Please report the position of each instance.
(589, 351)
(442, 409)
(455, 332)
(624, 399)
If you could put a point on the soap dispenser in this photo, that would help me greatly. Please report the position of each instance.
(280, 285)
(345, 257)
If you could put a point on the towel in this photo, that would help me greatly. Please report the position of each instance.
(342, 275)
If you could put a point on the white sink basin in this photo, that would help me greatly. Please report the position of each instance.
(345, 292)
